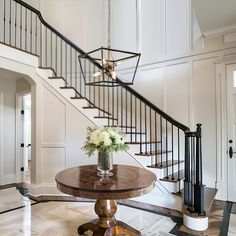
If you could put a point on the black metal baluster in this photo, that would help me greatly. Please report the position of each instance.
(66, 58)
(161, 140)
(179, 161)
(56, 54)
(71, 75)
(108, 99)
(155, 151)
(150, 131)
(126, 110)
(31, 32)
(145, 127)
(121, 113)
(113, 105)
(26, 17)
(187, 183)
(51, 48)
(41, 45)
(61, 58)
(15, 23)
(167, 177)
(172, 144)
(131, 118)
(4, 21)
(76, 77)
(140, 121)
(46, 46)
(85, 76)
(89, 70)
(10, 23)
(135, 120)
(21, 27)
(117, 105)
(36, 34)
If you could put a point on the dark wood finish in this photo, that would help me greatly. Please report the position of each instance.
(153, 153)
(164, 164)
(48, 68)
(105, 117)
(144, 142)
(179, 174)
(127, 181)
(95, 107)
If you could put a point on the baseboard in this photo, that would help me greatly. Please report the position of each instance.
(36, 190)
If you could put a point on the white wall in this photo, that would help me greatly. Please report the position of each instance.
(8, 90)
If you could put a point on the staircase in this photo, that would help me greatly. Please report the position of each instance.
(156, 140)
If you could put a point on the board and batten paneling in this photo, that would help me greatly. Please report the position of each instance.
(177, 91)
(53, 161)
(53, 119)
(204, 108)
(177, 33)
(123, 20)
(151, 30)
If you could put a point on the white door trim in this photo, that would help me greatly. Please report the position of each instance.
(19, 134)
(221, 127)
(1, 137)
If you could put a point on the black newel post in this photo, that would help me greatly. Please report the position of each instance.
(199, 187)
(187, 180)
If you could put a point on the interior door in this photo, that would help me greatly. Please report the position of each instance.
(231, 123)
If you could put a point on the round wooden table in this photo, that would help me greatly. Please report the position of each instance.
(127, 182)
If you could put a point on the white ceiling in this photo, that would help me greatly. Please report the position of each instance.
(215, 14)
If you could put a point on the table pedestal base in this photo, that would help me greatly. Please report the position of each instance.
(106, 225)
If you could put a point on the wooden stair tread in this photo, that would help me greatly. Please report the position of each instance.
(159, 152)
(165, 164)
(175, 177)
(55, 77)
(105, 117)
(121, 126)
(67, 87)
(94, 107)
(139, 142)
(78, 98)
(135, 133)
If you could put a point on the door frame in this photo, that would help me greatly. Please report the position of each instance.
(221, 65)
(19, 134)
(1, 135)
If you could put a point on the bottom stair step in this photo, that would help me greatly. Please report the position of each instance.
(174, 178)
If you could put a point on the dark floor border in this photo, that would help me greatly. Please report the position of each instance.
(226, 218)
(7, 186)
(17, 208)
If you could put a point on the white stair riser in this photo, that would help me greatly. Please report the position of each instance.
(172, 186)
(45, 73)
(67, 93)
(57, 83)
(80, 103)
(161, 173)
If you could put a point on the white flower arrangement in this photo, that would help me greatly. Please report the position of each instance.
(104, 139)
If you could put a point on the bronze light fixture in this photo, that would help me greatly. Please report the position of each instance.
(107, 59)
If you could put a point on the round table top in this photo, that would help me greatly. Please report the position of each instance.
(127, 181)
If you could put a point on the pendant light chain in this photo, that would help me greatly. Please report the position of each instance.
(109, 25)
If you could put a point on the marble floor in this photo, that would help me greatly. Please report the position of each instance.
(56, 218)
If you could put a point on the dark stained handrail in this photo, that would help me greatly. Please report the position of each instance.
(132, 91)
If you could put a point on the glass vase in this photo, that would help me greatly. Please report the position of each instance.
(105, 164)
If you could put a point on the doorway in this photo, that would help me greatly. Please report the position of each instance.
(231, 132)
(24, 137)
